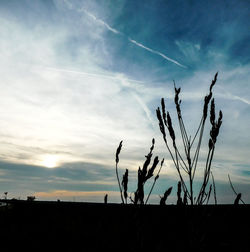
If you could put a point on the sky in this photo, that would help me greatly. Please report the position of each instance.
(77, 77)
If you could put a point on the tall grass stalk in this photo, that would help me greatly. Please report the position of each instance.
(165, 196)
(116, 168)
(214, 189)
(187, 164)
(144, 174)
(155, 179)
(125, 185)
(238, 195)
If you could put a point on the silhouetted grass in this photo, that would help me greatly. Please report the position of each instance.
(106, 199)
(187, 164)
(143, 175)
(155, 179)
(125, 185)
(238, 195)
(165, 196)
(116, 168)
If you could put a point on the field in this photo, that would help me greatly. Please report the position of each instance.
(74, 226)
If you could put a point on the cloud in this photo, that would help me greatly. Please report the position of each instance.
(129, 39)
(53, 108)
(91, 196)
(78, 176)
(190, 50)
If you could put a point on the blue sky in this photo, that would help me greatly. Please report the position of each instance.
(77, 77)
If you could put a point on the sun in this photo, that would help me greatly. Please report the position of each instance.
(50, 161)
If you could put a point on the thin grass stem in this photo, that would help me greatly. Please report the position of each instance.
(214, 189)
(231, 184)
(196, 133)
(156, 177)
(120, 188)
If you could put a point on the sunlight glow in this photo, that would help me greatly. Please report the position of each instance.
(50, 161)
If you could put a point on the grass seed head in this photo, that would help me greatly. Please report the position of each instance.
(151, 170)
(165, 196)
(213, 82)
(176, 99)
(212, 112)
(170, 128)
(163, 111)
(162, 162)
(118, 152)
(125, 184)
(161, 125)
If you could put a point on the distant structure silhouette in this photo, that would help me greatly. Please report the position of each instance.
(106, 199)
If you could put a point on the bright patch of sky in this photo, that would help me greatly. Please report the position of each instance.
(76, 77)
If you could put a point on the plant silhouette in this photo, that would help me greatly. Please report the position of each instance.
(125, 185)
(106, 199)
(143, 175)
(165, 196)
(187, 164)
(238, 195)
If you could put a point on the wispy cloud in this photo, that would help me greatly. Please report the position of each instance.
(145, 108)
(131, 40)
(72, 105)
(98, 75)
(134, 86)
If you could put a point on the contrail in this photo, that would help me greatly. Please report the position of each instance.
(101, 22)
(226, 95)
(131, 40)
(235, 97)
(155, 52)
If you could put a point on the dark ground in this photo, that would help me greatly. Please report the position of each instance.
(72, 226)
